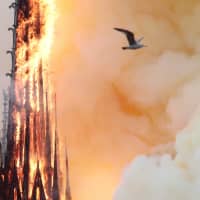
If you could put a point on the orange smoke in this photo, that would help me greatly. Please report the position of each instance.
(114, 105)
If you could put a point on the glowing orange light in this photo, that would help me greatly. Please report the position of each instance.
(33, 46)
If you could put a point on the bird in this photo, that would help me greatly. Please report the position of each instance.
(133, 43)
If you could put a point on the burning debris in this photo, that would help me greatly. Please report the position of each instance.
(27, 171)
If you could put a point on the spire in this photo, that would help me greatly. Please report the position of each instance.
(41, 130)
(35, 141)
(14, 191)
(27, 145)
(48, 149)
(28, 128)
(48, 133)
(38, 21)
(11, 124)
(55, 189)
(38, 185)
(67, 190)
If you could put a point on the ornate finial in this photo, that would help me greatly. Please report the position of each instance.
(13, 5)
(10, 52)
(11, 29)
(9, 74)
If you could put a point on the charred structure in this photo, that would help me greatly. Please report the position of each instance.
(28, 168)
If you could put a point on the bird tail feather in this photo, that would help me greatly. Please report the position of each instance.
(140, 39)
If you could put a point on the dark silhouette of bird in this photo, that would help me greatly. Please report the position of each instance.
(133, 43)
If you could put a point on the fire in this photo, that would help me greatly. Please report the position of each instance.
(40, 35)
(34, 38)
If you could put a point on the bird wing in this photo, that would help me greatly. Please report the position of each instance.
(130, 35)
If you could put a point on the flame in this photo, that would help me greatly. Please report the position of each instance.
(39, 45)
(35, 31)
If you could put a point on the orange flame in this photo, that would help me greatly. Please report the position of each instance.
(35, 32)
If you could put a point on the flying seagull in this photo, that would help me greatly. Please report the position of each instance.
(133, 44)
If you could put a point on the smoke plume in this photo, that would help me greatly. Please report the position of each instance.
(114, 105)
(162, 177)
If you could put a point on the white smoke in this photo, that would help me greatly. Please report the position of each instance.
(162, 177)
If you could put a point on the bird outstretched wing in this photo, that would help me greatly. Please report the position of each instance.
(130, 35)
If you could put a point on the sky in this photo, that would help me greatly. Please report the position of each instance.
(114, 105)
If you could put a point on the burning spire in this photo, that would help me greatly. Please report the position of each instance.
(29, 116)
(38, 186)
(14, 192)
(26, 167)
(67, 190)
(55, 190)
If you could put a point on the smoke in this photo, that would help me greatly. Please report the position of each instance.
(114, 105)
(161, 177)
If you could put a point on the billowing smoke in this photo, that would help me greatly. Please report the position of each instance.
(162, 177)
(114, 105)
